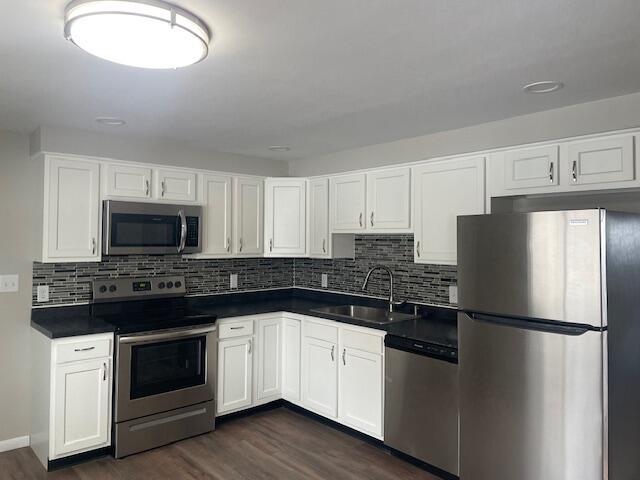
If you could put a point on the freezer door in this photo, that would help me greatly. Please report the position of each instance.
(531, 402)
(543, 265)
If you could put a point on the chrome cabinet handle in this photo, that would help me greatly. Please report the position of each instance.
(418, 248)
(372, 219)
(271, 245)
(228, 244)
(146, 186)
(574, 171)
(86, 349)
(344, 354)
(104, 372)
(250, 346)
(360, 219)
(236, 328)
(240, 245)
(93, 246)
(183, 230)
(551, 172)
(333, 347)
(162, 185)
(324, 245)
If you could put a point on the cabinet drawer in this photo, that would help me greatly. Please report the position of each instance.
(367, 342)
(328, 333)
(236, 329)
(83, 350)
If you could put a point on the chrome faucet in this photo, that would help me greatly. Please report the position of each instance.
(392, 303)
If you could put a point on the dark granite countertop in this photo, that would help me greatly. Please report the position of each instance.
(436, 324)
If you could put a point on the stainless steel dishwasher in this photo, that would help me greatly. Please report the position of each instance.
(421, 401)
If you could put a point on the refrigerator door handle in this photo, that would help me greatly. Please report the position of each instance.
(535, 325)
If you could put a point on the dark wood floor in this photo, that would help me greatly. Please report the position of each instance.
(277, 444)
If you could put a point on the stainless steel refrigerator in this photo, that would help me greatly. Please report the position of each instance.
(549, 345)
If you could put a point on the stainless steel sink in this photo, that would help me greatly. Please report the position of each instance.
(365, 314)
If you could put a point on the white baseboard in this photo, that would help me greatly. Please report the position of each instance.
(13, 443)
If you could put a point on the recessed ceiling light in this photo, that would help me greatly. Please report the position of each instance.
(547, 86)
(111, 121)
(138, 33)
(279, 148)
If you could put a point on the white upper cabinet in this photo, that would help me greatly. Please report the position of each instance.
(348, 199)
(285, 217)
(319, 244)
(269, 358)
(249, 215)
(442, 191)
(72, 210)
(533, 167)
(216, 200)
(175, 185)
(388, 197)
(128, 181)
(600, 161)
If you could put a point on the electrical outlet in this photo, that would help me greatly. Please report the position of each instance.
(325, 280)
(233, 280)
(43, 293)
(9, 283)
(453, 294)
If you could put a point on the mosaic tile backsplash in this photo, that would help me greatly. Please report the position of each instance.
(71, 282)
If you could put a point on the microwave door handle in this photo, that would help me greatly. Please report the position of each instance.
(183, 230)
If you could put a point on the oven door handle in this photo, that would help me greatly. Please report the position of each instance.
(153, 337)
(183, 230)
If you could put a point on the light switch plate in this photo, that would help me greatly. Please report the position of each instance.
(43, 293)
(453, 294)
(9, 283)
(233, 280)
(325, 280)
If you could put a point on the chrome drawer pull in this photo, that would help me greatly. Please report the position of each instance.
(83, 349)
(236, 328)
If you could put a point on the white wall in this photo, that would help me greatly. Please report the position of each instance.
(593, 117)
(150, 150)
(17, 243)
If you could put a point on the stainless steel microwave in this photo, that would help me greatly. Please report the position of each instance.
(131, 228)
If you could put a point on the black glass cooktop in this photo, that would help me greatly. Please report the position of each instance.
(149, 315)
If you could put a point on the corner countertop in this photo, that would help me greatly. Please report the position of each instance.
(435, 324)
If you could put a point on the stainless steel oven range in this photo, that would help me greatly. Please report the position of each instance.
(165, 365)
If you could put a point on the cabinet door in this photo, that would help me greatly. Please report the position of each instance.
(128, 181)
(388, 194)
(234, 373)
(319, 244)
(285, 216)
(82, 406)
(216, 190)
(269, 358)
(442, 191)
(291, 359)
(249, 216)
(320, 376)
(360, 390)
(73, 219)
(176, 185)
(600, 161)
(534, 167)
(348, 194)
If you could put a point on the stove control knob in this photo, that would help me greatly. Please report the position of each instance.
(169, 284)
(161, 285)
(103, 288)
(178, 284)
(112, 288)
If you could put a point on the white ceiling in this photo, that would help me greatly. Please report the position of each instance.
(323, 76)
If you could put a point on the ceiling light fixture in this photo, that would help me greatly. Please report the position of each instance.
(138, 33)
(279, 148)
(111, 121)
(547, 86)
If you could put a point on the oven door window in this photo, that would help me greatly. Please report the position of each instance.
(163, 367)
(136, 230)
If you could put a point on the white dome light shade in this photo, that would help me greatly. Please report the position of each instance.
(146, 33)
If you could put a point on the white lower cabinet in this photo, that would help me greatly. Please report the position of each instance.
(71, 400)
(330, 368)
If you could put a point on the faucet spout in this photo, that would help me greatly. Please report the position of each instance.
(385, 269)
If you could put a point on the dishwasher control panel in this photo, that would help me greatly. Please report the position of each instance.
(420, 347)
